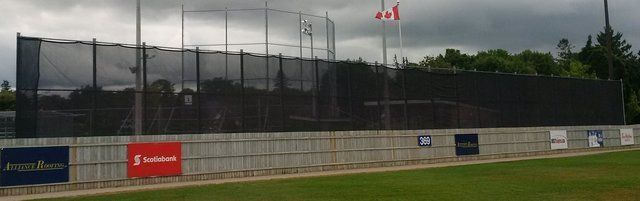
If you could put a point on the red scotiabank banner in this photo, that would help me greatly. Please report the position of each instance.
(154, 159)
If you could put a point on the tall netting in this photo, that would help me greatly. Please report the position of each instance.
(260, 30)
(69, 88)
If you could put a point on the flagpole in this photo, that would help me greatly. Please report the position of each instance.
(400, 33)
(384, 39)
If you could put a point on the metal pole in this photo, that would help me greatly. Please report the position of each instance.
(379, 95)
(301, 54)
(327, 29)
(300, 29)
(94, 90)
(404, 96)
(400, 34)
(316, 91)
(138, 96)
(387, 122)
(311, 36)
(349, 94)
(266, 28)
(384, 39)
(387, 108)
(20, 130)
(242, 90)
(624, 112)
(182, 46)
(609, 33)
(182, 49)
(333, 39)
(198, 90)
(282, 88)
(144, 86)
(226, 43)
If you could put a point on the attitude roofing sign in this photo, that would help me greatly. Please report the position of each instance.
(34, 165)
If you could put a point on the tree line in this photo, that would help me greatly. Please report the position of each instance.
(7, 97)
(590, 61)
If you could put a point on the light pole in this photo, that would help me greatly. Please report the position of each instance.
(308, 30)
(138, 72)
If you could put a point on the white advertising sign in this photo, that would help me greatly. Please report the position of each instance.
(626, 137)
(188, 100)
(558, 139)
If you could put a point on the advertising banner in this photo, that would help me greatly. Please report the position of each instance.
(154, 159)
(558, 139)
(596, 138)
(626, 137)
(467, 144)
(424, 140)
(34, 165)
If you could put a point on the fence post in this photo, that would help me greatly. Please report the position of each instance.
(457, 95)
(282, 88)
(144, 88)
(350, 96)
(316, 99)
(404, 96)
(624, 113)
(94, 92)
(242, 97)
(433, 102)
(477, 96)
(379, 94)
(385, 96)
(198, 92)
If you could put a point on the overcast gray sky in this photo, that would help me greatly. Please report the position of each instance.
(429, 26)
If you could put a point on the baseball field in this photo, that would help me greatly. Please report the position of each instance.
(609, 176)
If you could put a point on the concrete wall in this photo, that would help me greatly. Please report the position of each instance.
(99, 162)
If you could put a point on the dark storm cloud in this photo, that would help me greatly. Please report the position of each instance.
(429, 26)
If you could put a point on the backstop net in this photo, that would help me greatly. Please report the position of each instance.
(73, 88)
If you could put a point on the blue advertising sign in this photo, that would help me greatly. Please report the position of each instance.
(34, 165)
(424, 140)
(467, 144)
(596, 138)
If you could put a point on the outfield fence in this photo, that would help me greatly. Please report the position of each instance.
(69, 88)
(102, 162)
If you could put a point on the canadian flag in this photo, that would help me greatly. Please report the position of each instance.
(390, 14)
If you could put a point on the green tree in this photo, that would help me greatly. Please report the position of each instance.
(632, 107)
(7, 97)
(452, 58)
(595, 55)
(6, 86)
(565, 50)
(281, 81)
(542, 63)
(162, 86)
(500, 60)
(577, 69)
(434, 62)
(626, 66)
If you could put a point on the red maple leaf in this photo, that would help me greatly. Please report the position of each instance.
(388, 15)
(379, 15)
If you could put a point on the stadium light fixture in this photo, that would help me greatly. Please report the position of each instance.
(308, 30)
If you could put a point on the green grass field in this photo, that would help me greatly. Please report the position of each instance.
(612, 176)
